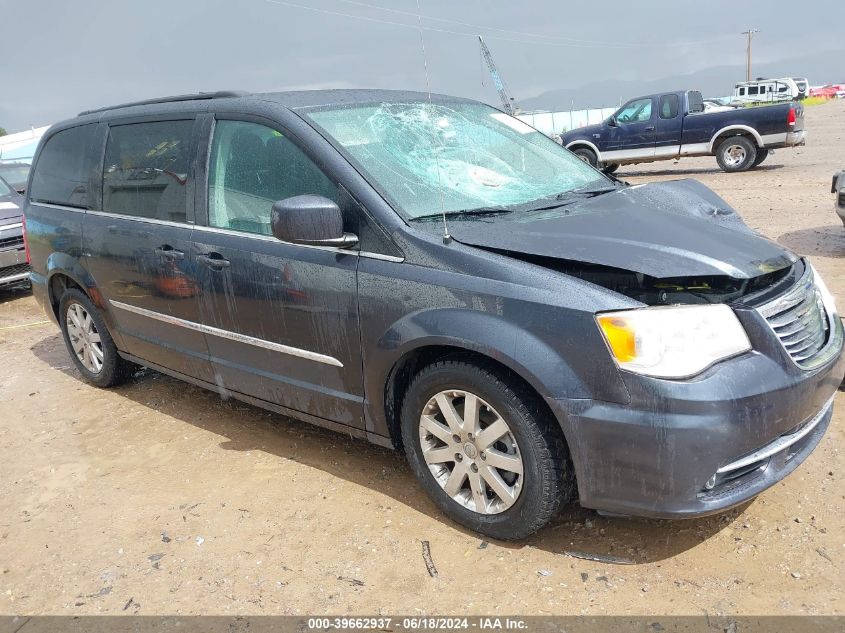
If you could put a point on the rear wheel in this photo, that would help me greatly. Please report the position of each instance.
(610, 168)
(482, 450)
(736, 153)
(587, 155)
(762, 154)
(89, 343)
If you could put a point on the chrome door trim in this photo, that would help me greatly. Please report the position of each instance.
(234, 336)
(60, 207)
(140, 218)
(271, 238)
(381, 256)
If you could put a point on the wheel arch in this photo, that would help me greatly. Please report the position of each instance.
(579, 143)
(424, 337)
(734, 130)
(414, 360)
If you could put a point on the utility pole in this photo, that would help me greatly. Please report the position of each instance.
(750, 33)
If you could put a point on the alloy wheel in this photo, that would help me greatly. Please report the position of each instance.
(84, 338)
(734, 155)
(471, 451)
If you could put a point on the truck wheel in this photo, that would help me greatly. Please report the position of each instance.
(482, 449)
(587, 155)
(610, 168)
(89, 343)
(736, 153)
(762, 154)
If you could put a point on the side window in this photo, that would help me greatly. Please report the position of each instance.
(146, 170)
(742, 92)
(635, 111)
(668, 106)
(64, 168)
(752, 90)
(251, 167)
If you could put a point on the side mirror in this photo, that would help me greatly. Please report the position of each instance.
(311, 220)
(612, 122)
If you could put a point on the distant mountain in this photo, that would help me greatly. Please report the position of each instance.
(819, 68)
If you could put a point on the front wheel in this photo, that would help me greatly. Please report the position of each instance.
(89, 343)
(610, 168)
(587, 155)
(482, 450)
(736, 153)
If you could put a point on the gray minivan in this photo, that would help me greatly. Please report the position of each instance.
(431, 274)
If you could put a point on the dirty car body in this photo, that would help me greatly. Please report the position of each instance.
(468, 240)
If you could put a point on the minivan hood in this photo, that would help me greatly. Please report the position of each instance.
(668, 229)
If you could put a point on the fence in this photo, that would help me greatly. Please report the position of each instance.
(555, 123)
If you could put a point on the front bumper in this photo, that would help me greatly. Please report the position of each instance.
(679, 448)
(14, 267)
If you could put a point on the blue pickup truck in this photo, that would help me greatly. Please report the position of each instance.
(674, 124)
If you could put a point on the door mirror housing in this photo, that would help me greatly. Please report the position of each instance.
(612, 122)
(310, 219)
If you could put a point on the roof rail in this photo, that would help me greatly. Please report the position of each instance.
(220, 94)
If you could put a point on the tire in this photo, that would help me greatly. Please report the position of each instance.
(762, 154)
(531, 444)
(587, 155)
(610, 168)
(83, 329)
(736, 153)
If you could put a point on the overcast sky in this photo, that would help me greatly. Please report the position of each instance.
(63, 56)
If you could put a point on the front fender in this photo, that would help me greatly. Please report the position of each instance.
(491, 335)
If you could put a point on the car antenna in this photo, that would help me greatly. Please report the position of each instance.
(446, 237)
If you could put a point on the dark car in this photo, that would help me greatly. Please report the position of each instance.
(671, 125)
(837, 187)
(431, 274)
(16, 174)
(14, 259)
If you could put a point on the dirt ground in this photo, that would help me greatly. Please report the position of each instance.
(159, 498)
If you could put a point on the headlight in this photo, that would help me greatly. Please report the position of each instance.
(827, 297)
(672, 341)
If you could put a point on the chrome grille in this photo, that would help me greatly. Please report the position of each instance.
(799, 320)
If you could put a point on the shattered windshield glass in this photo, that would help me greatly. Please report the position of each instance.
(462, 156)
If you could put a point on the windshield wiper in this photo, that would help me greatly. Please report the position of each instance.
(585, 193)
(478, 212)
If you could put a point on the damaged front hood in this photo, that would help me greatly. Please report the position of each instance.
(663, 230)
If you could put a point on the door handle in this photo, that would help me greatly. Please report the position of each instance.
(214, 262)
(169, 252)
(650, 129)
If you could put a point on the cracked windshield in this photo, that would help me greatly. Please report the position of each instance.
(433, 158)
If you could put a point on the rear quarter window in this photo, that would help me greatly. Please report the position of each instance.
(63, 172)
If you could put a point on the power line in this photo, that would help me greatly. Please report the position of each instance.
(427, 28)
(491, 28)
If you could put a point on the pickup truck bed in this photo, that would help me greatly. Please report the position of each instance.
(671, 125)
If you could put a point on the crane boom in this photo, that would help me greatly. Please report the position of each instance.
(504, 95)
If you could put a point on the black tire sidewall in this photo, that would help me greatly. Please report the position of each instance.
(590, 155)
(114, 367)
(528, 512)
(750, 153)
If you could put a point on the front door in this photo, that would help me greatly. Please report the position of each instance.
(138, 246)
(636, 130)
(282, 319)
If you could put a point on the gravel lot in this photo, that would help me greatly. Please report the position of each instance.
(157, 497)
